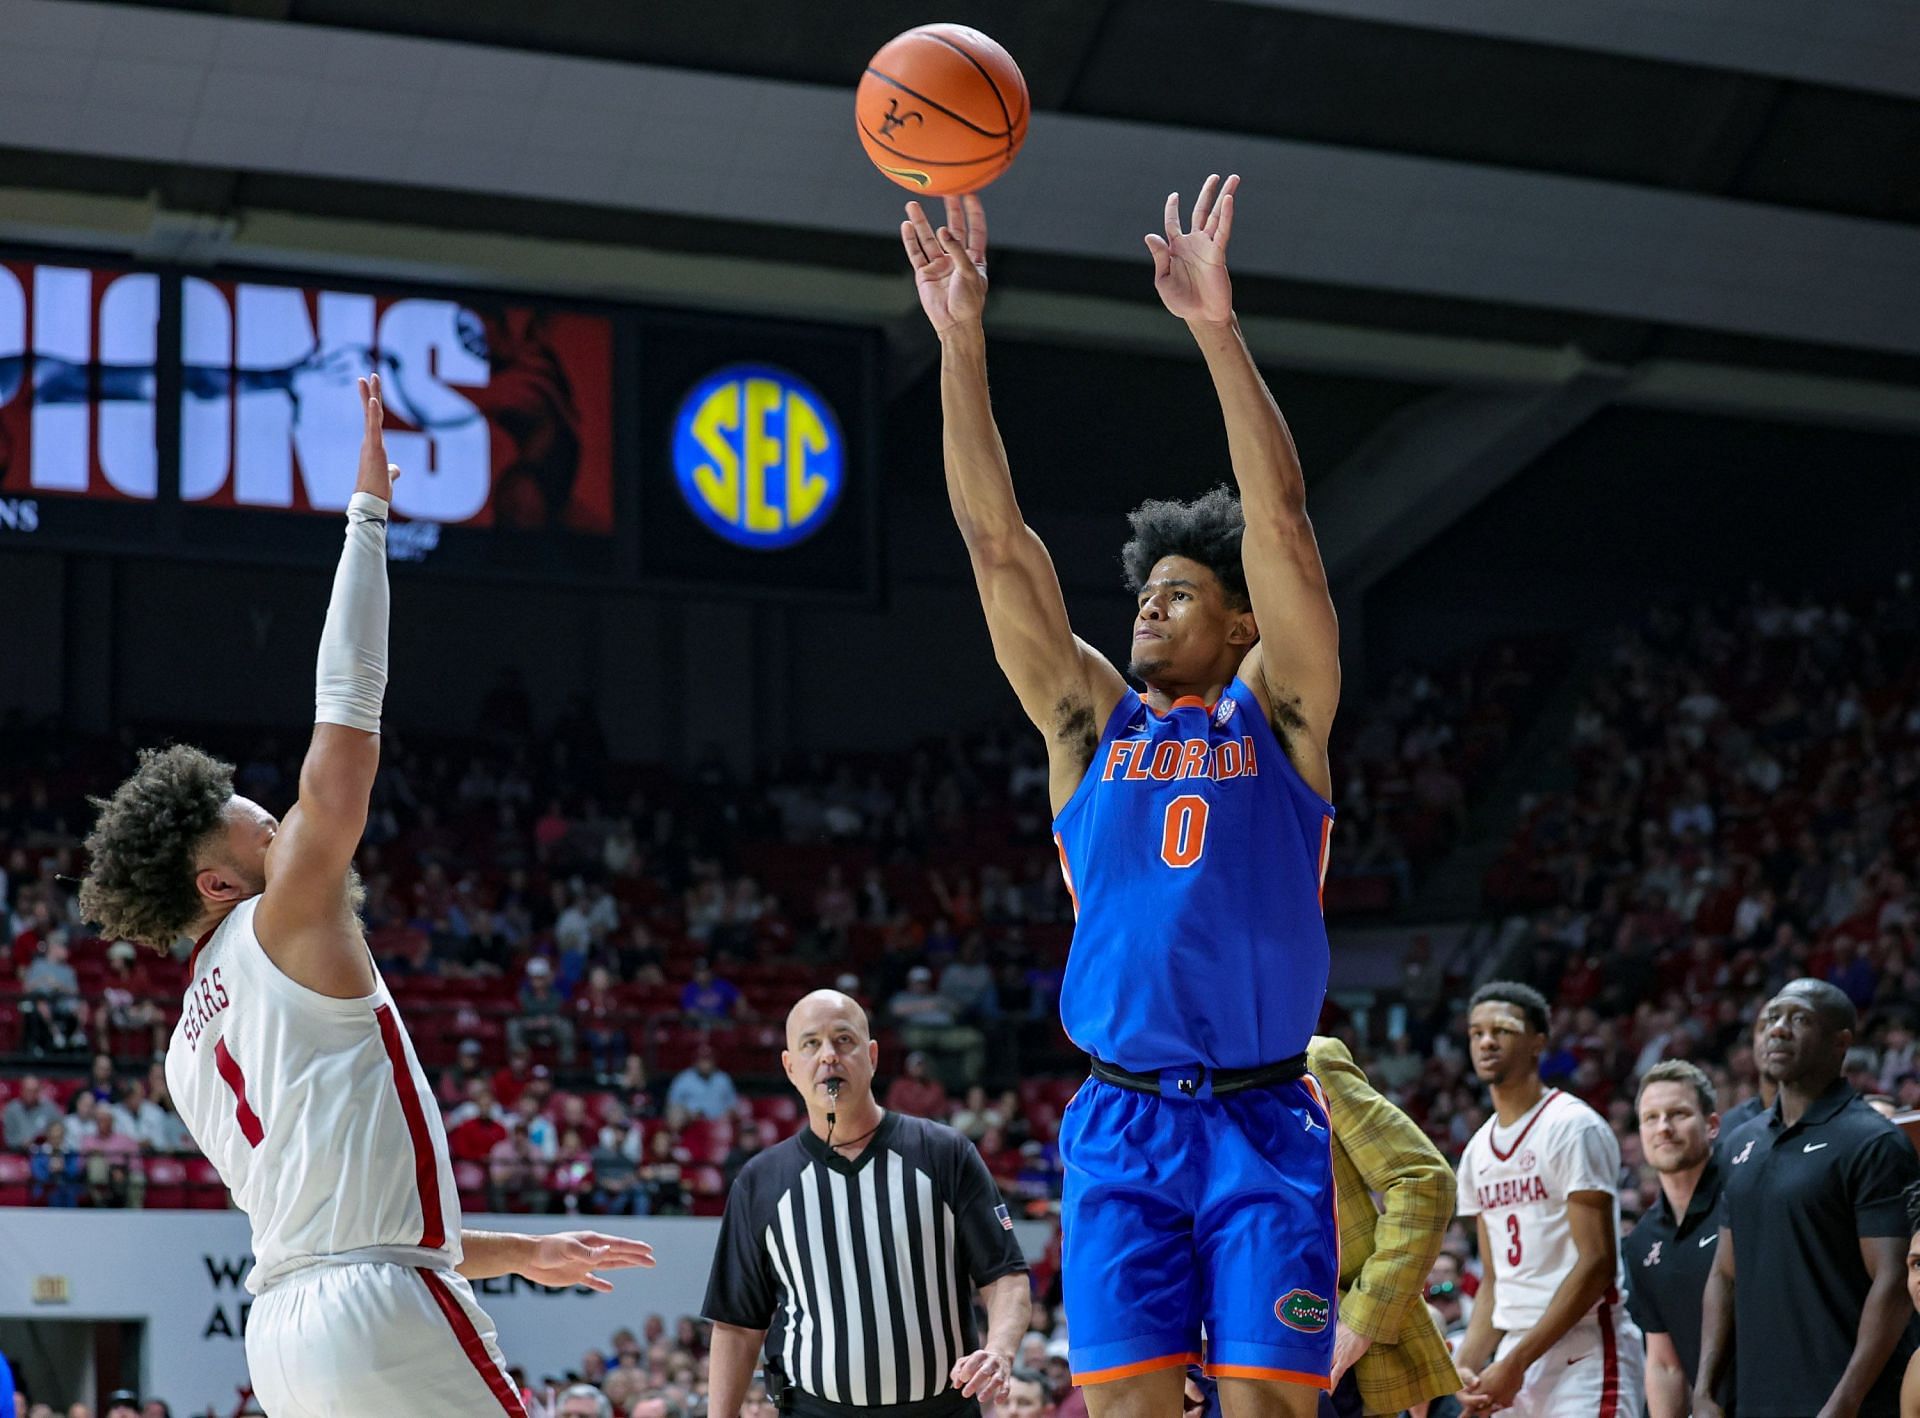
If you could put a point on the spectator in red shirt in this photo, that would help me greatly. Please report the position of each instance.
(477, 1126)
(511, 1080)
(916, 1092)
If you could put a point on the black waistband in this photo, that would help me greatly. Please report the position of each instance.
(1223, 1080)
(949, 1404)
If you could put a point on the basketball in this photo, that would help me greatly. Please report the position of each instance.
(942, 110)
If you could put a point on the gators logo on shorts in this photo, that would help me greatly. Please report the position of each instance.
(1303, 1310)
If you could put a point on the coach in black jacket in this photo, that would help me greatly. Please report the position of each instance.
(850, 1251)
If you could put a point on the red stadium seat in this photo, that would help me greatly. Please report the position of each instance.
(470, 1179)
(205, 1190)
(782, 1108)
(167, 1188)
(129, 1045)
(15, 1172)
(707, 1140)
(598, 1103)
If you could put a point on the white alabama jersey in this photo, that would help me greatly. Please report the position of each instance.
(1518, 1180)
(314, 1110)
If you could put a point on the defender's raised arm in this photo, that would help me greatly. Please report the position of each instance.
(1065, 686)
(306, 915)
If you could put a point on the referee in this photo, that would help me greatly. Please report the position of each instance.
(850, 1251)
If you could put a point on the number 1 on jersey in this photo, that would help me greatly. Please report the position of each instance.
(1185, 835)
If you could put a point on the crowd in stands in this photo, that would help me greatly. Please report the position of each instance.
(597, 957)
(634, 938)
(1744, 809)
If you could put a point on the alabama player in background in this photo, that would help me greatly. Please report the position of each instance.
(1550, 1336)
(290, 1064)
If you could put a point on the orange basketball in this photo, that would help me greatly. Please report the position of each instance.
(942, 110)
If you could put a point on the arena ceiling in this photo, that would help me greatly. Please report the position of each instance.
(1532, 212)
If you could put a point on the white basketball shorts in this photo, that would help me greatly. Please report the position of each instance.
(1597, 1370)
(376, 1340)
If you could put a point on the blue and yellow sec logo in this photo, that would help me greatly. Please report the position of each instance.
(759, 456)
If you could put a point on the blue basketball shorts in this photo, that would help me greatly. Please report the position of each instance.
(1182, 1213)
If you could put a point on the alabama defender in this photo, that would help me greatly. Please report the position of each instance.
(1550, 1335)
(290, 1064)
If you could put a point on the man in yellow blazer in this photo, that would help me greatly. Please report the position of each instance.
(1389, 1355)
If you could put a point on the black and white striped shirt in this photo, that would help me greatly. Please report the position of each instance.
(862, 1271)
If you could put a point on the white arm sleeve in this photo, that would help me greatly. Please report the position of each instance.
(350, 680)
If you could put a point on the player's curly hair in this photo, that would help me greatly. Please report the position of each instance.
(139, 882)
(1206, 530)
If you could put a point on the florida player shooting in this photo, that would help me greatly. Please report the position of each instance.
(1192, 823)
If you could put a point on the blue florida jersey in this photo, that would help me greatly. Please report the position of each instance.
(1195, 855)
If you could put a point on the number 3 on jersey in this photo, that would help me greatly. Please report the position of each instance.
(1513, 1238)
(1185, 836)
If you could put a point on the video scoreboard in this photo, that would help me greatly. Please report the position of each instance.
(214, 415)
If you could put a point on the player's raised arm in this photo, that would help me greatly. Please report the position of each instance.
(306, 918)
(1296, 665)
(1067, 688)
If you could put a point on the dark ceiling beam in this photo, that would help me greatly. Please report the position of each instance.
(211, 92)
(1432, 463)
(298, 242)
(1872, 45)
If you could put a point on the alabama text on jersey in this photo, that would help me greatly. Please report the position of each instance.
(1517, 1180)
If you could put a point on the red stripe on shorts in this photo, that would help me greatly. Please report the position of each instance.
(1610, 1359)
(243, 1110)
(426, 1166)
(473, 1346)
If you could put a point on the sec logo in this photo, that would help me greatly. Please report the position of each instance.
(759, 456)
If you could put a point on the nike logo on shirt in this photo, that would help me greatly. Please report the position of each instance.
(1814, 1146)
(1578, 1357)
(1706, 1241)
